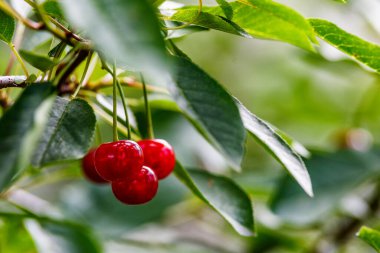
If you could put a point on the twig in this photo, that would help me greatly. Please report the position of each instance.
(12, 81)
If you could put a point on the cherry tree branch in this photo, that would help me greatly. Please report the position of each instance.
(12, 81)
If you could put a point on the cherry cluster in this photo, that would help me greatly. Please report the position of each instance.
(132, 168)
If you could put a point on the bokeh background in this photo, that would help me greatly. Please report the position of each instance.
(326, 102)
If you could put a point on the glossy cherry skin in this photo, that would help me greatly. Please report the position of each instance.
(119, 159)
(136, 189)
(159, 156)
(88, 168)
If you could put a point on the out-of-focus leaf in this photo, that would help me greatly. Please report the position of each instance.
(210, 109)
(333, 176)
(53, 8)
(223, 195)
(14, 237)
(267, 20)
(178, 33)
(365, 52)
(226, 8)
(370, 236)
(278, 147)
(126, 31)
(61, 238)
(7, 27)
(68, 134)
(14, 126)
(207, 20)
(40, 62)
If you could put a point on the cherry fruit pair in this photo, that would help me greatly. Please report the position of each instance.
(132, 168)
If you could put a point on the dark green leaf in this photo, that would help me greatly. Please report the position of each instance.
(370, 236)
(210, 108)
(226, 8)
(61, 238)
(127, 31)
(265, 19)
(14, 127)
(7, 27)
(68, 134)
(208, 20)
(223, 195)
(365, 52)
(40, 62)
(278, 147)
(333, 176)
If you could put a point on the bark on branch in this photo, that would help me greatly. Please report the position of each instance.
(12, 81)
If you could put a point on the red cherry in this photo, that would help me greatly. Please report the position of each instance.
(136, 189)
(88, 168)
(119, 159)
(158, 155)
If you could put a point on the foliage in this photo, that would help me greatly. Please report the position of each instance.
(58, 99)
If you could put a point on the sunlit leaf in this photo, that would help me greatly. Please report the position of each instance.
(262, 19)
(370, 236)
(365, 52)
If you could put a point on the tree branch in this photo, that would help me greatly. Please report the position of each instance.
(12, 81)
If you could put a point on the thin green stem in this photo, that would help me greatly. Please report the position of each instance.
(148, 114)
(114, 122)
(123, 98)
(12, 47)
(84, 76)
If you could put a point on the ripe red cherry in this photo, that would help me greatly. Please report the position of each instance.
(119, 159)
(138, 188)
(88, 168)
(158, 155)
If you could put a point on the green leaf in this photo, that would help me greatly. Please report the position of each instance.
(14, 237)
(277, 147)
(370, 236)
(178, 33)
(127, 31)
(38, 61)
(333, 176)
(210, 109)
(363, 51)
(68, 134)
(226, 8)
(14, 127)
(266, 19)
(208, 20)
(7, 27)
(223, 195)
(53, 8)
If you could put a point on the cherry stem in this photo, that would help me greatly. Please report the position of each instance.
(13, 49)
(148, 114)
(84, 76)
(114, 122)
(123, 100)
